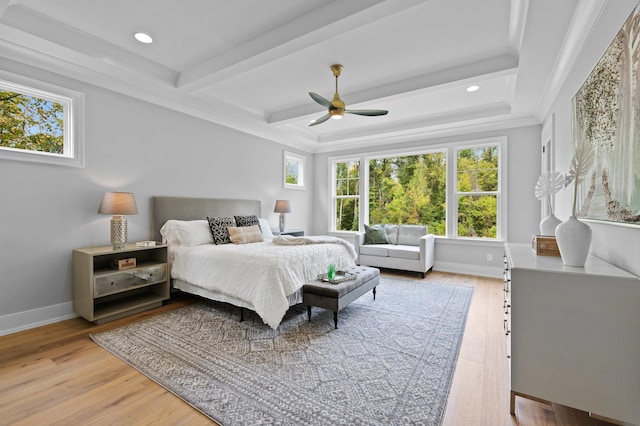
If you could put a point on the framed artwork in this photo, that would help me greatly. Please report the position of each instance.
(606, 114)
(294, 168)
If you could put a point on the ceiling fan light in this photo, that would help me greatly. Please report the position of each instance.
(336, 114)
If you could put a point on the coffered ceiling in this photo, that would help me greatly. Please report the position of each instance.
(249, 64)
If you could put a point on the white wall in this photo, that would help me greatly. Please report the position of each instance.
(523, 209)
(617, 244)
(46, 211)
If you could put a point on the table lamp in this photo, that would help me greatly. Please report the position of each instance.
(282, 207)
(118, 204)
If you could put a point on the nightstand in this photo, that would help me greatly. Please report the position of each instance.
(292, 232)
(102, 293)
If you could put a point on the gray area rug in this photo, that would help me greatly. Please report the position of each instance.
(390, 362)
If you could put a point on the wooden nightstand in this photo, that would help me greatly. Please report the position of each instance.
(292, 232)
(102, 293)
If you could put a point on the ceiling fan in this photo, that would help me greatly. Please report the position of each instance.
(336, 106)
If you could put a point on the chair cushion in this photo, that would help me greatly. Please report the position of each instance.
(405, 252)
(375, 249)
(392, 233)
(410, 234)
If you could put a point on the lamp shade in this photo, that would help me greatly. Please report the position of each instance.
(282, 206)
(118, 203)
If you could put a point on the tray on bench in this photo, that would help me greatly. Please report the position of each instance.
(341, 276)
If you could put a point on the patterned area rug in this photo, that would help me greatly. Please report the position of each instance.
(390, 362)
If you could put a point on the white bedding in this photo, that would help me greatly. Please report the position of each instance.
(261, 274)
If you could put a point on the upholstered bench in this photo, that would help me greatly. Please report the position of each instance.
(337, 296)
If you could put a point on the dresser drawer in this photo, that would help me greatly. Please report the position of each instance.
(115, 282)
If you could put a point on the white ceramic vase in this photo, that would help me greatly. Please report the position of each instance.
(548, 225)
(574, 240)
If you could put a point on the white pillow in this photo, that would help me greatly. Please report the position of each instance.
(186, 233)
(265, 228)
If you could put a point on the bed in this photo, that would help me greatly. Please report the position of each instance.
(265, 277)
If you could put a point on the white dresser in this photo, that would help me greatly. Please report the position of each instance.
(573, 333)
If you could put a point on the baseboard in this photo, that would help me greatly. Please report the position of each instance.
(25, 320)
(467, 269)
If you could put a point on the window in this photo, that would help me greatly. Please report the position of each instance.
(414, 187)
(477, 191)
(409, 189)
(294, 165)
(39, 122)
(346, 200)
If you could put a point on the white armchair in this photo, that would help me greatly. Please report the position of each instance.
(410, 248)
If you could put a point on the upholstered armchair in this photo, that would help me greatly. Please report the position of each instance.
(404, 247)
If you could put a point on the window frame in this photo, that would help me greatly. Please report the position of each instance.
(302, 164)
(333, 204)
(498, 193)
(451, 150)
(73, 102)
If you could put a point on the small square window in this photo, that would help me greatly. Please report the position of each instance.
(294, 165)
(40, 122)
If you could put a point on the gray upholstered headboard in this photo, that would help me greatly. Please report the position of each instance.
(187, 208)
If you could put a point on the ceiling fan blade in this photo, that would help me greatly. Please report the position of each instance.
(320, 120)
(368, 112)
(322, 101)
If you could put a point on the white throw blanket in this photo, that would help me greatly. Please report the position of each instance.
(288, 240)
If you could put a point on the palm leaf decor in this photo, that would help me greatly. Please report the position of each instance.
(548, 184)
(580, 164)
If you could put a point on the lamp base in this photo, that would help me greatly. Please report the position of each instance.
(118, 232)
(282, 227)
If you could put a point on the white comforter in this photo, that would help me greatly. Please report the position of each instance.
(262, 274)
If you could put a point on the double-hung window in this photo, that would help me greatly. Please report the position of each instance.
(477, 191)
(346, 195)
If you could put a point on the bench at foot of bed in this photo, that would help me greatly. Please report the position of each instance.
(338, 296)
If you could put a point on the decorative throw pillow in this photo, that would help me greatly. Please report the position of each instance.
(392, 233)
(375, 235)
(245, 234)
(247, 220)
(265, 227)
(218, 227)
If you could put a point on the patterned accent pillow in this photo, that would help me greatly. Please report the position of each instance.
(247, 220)
(375, 235)
(245, 234)
(218, 227)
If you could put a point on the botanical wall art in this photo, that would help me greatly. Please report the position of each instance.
(606, 115)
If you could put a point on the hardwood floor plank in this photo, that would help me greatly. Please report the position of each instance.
(464, 405)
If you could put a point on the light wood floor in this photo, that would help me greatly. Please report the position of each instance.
(56, 375)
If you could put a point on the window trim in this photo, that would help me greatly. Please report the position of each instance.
(73, 149)
(451, 150)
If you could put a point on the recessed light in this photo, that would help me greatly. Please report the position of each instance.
(143, 38)
(472, 88)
